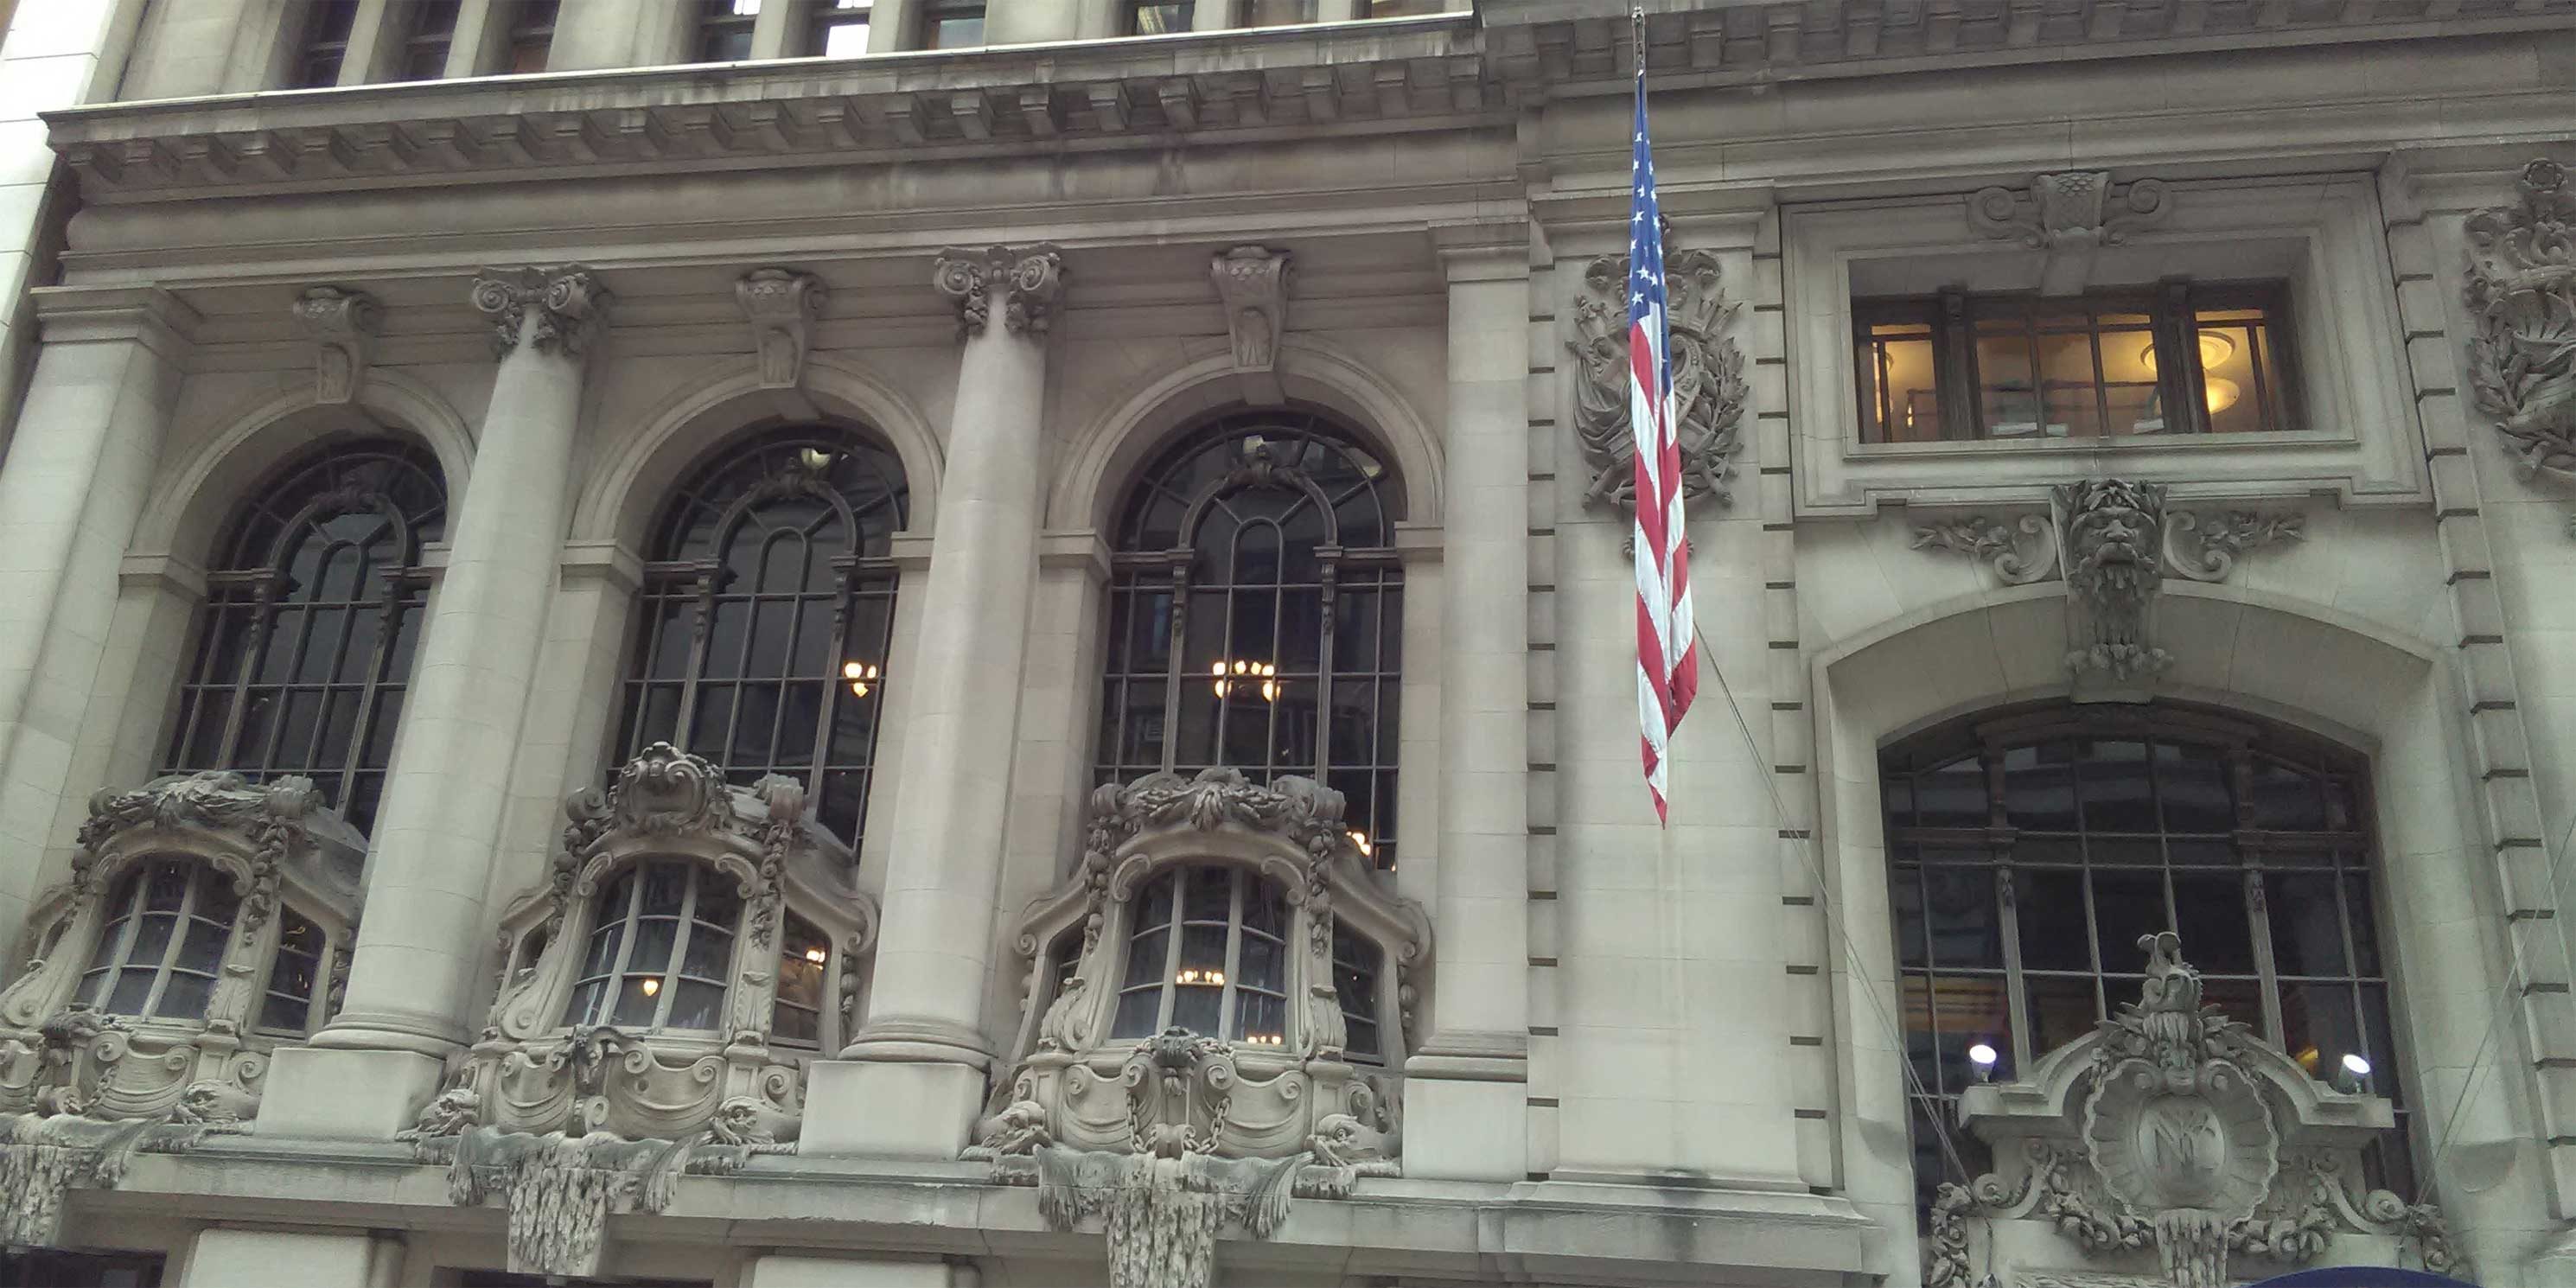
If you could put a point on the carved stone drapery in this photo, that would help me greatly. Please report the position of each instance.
(2521, 297)
(1024, 283)
(1709, 389)
(558, 310)
(2069, 215)
(1252, 282)
(342, 326)
(781, 305)
(2113, 541)
(2173, 1137)
(559, 1189)
(45, 1156)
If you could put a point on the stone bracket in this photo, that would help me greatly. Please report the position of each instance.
(342, 325)
(782, 306)
(2069, 216)
(1252, 282)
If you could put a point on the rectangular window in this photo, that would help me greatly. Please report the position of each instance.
(325, 44)
(532, 36)
(1402, 8)
(952, 24)
(724, 30)
(838, 28)
(2179, 358)
(1147, 18)
(1278, 13)
(433, 29)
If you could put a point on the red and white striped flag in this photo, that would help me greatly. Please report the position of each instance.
(1667, 649)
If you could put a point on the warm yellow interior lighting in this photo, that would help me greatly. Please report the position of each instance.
(2215, 350)
(1197, 976)
(1360, 839)
(652, 986)
(1226, 675)
(816, 955)
(861, 675)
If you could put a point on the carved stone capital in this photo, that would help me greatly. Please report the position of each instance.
(556, 310)
(342, 325)
(2521, 292)
(1252, 281)
(2070, 215)
(1023, 283)
(781, 305)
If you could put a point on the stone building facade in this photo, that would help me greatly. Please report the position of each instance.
(928, 643)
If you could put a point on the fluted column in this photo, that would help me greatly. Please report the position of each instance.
(914, 1076)
(440, 824)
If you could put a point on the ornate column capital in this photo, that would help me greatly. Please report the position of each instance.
(342, 325)
(781, 306)
(1024, 282)
(569, 303)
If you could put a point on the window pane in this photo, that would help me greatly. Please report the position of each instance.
(2049, 908)
(654, 939)
(132, 987)
(2319, 1026)
(710, 954)
(203, 949)
(636, 1001)
(2115, 788)
(2216, 927)
(1259, 1019)
(697, 1005)
(1145, 958)
(1278, 13)
(2061, 1010)
(2306, 922)
(151, 940)
(1952, 796)
(183, 997)
(1136, 1014)
(1194, 1007)
(2127, 907)
(1965, 927)
(1260, 967)
(1162, 19)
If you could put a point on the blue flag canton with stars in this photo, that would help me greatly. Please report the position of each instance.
(1646, 248)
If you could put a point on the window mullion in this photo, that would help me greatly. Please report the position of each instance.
(2257, 908)
(701, 624)
(1229, 997)
(1176, 656)
(605, 1008)
(1173, 927)
(1326, 681)
(170, 947)
(835, 685)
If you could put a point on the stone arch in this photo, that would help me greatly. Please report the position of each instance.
(193, 500)
(2385, 695)
(628, 488)
(1105, 454)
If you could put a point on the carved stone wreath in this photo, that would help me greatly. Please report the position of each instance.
(1709, 389)
(2521, 296)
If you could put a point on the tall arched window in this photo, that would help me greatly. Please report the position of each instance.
(312, 611)
(767, 605)
(1255, 614)
(2030, 851)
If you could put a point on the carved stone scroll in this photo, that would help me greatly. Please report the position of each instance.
(2069, 215)
(1709, 387)
(1024, 283)
(342, 326)
(781, 307)
(1252, 281)
(2521, 297)
(558, 310)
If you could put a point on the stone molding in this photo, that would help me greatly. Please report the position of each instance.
(2173, 1130)
(557, 310)
(782, 306)
(1025, 283)
(1252, 284)
(1709, 386)
(2069, 215)
(2112, 541)
(2521, 297)
(342, 325)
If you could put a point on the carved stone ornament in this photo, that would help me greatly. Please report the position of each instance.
(781, 306)
(2069, 215)
(270, 843)
(2170, 1139)
(2521, 297)
(560, 1189)
(2113, 542)
(533, 1070)
(1252, 281)
(45, 1156)
(557, 310)
(1709, 389)
(1024, 283)
(342, 326)
(1174, 1135)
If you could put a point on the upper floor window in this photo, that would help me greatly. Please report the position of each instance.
(766, 612)
(1278, 13)
(838, 28)
(2176, 359)
(661, 952)
(1207, 951)
(305, 641)
(1155, 18)
(325, 43)
(532, 35)
(433, 29)
(2030, 853)
(1256, 615)
(724, 30)
(162, 942)
(952, 24)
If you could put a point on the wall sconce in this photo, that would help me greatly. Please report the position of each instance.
(861, 675)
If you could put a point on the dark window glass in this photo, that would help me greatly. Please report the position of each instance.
(433, 30)
(325, 45)
(724, 30)
(804, 955)
(52, 1268)
(163, 942)
(532, 35)
(1206, 951)
(762, 628)
(1356, 965)
(295, 974)
(952, 24)
(304, 642)
(1147, 18)
(661, 950)
(1256, 615)
(1278, 13)
(2032, 851)
(1402, 8)
(2178, 359)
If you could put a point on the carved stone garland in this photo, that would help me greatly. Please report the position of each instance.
(2112, 541)
(1709, 389)
(2173, 1129)
(1173, 1137)
(2521, 296)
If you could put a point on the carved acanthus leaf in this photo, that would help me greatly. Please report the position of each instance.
(2521, 296)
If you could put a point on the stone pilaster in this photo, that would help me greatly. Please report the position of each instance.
(440, 823)
(912, 1080)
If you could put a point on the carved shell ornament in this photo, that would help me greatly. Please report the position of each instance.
(2521, 297)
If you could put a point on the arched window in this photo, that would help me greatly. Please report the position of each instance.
(163, 943)
(1256, 615)
(312, 612)
(2029, 852)
(767, 606)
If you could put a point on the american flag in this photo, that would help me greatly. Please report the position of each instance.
(1667, 650)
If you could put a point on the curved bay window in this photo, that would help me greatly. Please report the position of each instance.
(2030, 852)
(661, 952)
(1206, 952)
(158, 954)
(1256, 615)
(305, 641)
(765, 615)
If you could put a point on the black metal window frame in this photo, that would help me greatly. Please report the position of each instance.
(275, 652)
(2169, 316)
(202, 913)
(431, 35)
(322, 47)
(724, 29)
(2244, 837)
(724, 662)
(1338, 708)
(952, 24)
(532, 36)
(611, 968)
(1162, 17)
(1170, 962)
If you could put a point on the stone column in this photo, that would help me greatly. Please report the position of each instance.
(1466, 1086)
(421, 941)
(911, 1082)
(71, 488)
